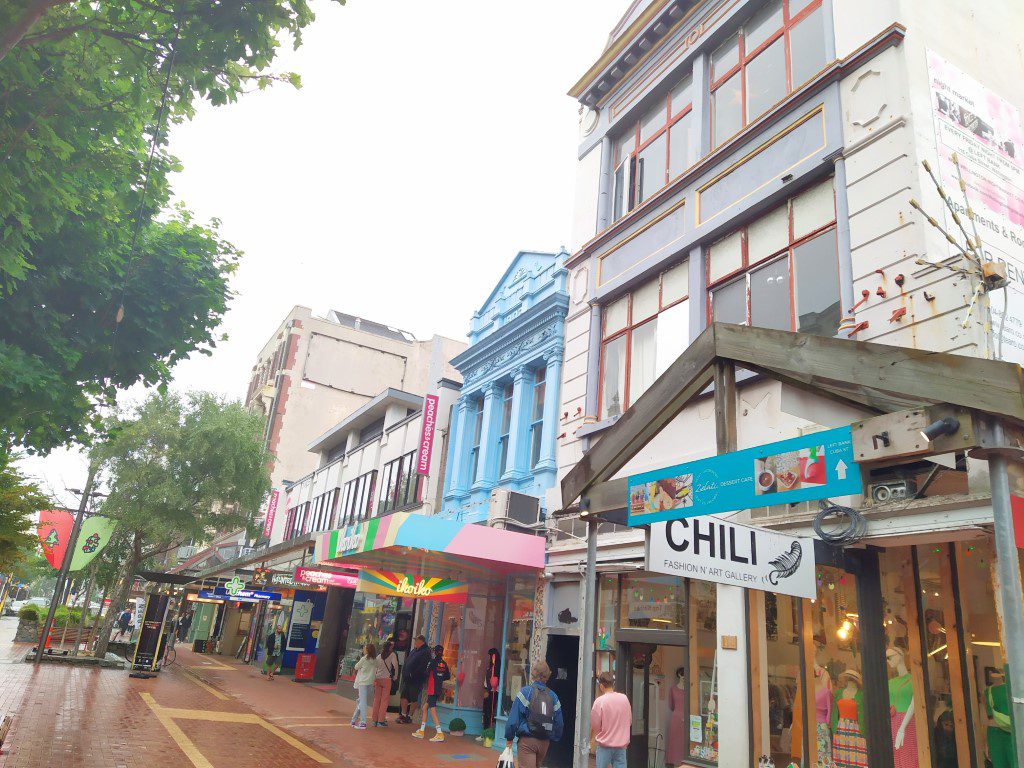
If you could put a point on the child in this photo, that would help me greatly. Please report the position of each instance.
(437, 673)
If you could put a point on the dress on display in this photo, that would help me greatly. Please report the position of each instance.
(849, 747)
(675, 739)
(901, 698)
(823, 701)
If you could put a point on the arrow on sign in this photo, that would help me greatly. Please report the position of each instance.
(841, 469)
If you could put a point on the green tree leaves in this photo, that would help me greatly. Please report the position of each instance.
(19, 500)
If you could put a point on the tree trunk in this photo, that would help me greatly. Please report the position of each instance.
(117, 602)
(11, 36)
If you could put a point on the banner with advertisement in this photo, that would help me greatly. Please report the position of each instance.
(407, 585)
(427, 435)
(984, 131)
(268, 520)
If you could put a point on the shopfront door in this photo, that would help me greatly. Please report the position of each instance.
(563, 658)
(657, 683)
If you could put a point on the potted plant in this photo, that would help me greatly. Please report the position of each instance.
(488, 735)
(457, 727)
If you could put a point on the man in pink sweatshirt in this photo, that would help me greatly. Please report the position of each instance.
(610, 720)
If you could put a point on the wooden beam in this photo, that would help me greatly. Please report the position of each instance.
(987, 385)
(725, 405)
(687, 377)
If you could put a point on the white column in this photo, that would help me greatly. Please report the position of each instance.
(733, 678)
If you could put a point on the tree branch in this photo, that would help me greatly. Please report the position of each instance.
(11, 36)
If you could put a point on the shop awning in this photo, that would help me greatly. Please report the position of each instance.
(431, 546)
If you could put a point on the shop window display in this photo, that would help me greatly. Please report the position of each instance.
(782, 630)
(653, 602)
(841, 739)
(703, 658)
(481, 633)
(372, 621)
(517, 641)
(607, 611)
(451, 639)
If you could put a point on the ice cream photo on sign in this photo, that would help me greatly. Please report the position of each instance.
(667, 493)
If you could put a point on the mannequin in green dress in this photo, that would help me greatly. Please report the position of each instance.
(901, 711)
(1000, 734)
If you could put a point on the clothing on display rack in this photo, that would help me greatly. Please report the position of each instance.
(675, 741)
(849, 747)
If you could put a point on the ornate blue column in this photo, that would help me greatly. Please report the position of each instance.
(518, 454)
(458, 453)
(486, 472)
(553, 359)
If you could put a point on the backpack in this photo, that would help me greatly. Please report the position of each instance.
(540, 718)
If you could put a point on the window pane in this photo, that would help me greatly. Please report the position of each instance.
(768, 235)
(675, 283)
(795, 6)
(652, 602)
(935, 617)
(727, 109)
(642, 358)
(653, 121)
(813, 209)
(766, 79)
(613, 384)
(682, 95)
(506, 409)
(769, 296)
(626, 144)
(616, 315)
(725, 57)
(703, 670)
(817, 285)
(679, 147)
(621, 194)
(536, 436)
(729, 303)
(807, 45)
(652, 162)
(725, 256)
(782, 633)
(503, 460)
(645, 301)
(538, 395)
(479, 422)
(762, 26)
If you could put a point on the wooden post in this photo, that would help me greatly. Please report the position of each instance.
(955, 649)
(915, 658)
(757, 646)
(725, 405)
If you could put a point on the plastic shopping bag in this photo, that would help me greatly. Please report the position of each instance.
(506, 760)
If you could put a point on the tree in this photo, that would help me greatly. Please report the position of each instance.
(86, 92)
(181, 468)
(19, 500)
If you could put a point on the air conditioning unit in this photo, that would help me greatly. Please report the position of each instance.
(509, 509)
(184, 553)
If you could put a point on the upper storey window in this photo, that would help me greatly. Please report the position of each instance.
(654, 150)
(779, 49)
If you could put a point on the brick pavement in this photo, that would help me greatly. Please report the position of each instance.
(203, 712)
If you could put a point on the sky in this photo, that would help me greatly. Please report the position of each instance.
(430, 142)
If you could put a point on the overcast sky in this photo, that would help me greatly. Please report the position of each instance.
(429, 143)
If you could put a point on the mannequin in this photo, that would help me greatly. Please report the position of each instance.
(492, 671)
(901, 711)
(824, 700)
(1000, 734)
(677, 735)
(849, 747)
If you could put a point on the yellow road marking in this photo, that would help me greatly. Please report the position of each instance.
(167, 716)
(184, 742)
(209, 688)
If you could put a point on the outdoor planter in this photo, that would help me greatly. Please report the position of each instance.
(457, 727)
(28, 631)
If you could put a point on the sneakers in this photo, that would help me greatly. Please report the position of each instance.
(360, 726)
(437, 737)
(479, 739)
(404, 719)
(418, 734)
(383, 723)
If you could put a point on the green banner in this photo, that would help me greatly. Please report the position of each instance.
(95, 533)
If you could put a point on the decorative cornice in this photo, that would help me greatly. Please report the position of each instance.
(522, 347)
(551, 308)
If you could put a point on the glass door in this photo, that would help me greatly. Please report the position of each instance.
(657, 683)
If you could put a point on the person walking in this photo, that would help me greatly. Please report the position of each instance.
(437, 673)
(123, 622)
(366, 670)
(610, 720)
(385, 679)
(274, 651)
(535, 718)
(414, 674)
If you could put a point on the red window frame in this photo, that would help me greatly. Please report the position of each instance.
(747, 265)
(638, 146)
(744, 57)
(627, 332)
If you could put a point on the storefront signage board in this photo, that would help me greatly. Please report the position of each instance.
(712, 549)
(427, 435)
(326, 578)
(241, 594)
(298, 627)
(805, 468)
(407, 585)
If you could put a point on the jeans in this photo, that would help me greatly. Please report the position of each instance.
(363, 707)
(381, 694)
(611, 757)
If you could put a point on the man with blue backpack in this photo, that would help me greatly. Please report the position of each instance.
(536, 718)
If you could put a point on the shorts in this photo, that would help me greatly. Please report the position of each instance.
(431, 701)
(412, 691)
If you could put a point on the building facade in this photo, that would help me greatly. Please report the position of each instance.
(754, 163)
(313, 372)
(506, 419)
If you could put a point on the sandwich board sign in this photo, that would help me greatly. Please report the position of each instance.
(813, 466)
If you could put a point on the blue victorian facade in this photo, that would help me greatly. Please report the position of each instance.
(504, 423)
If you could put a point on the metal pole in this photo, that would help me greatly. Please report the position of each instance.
(587, 646)
(1009, 599)
(66, 563)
